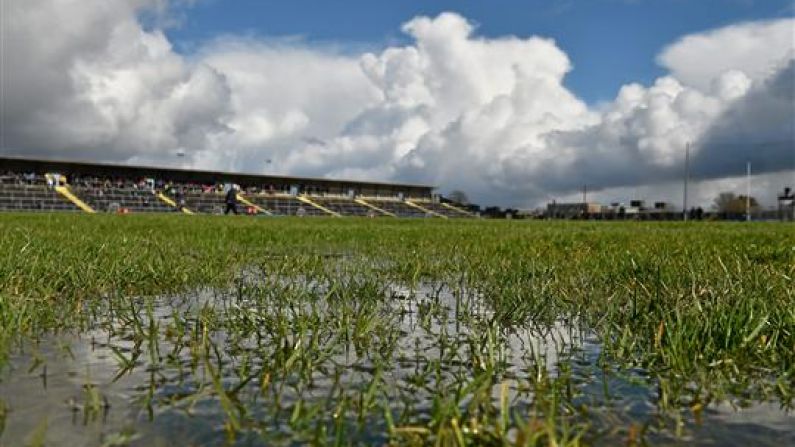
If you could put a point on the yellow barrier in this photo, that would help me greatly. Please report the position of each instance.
(169, 201)
(410, 203)
(455, 208)
(370, 205)
(247, 202)
(66, 192)
(317, 205)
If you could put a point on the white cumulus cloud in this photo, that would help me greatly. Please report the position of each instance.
(83, 79)
(753, 48)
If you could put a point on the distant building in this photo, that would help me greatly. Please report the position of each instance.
(662, 211)
(663, 206)
(639, 204)
(636, 210)
(572, 210)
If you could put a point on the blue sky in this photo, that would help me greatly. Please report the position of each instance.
(610, 42)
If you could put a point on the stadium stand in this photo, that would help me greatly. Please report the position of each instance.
(30, 192)
(118, 195)
(444, 209)
(203, 202)
(28, 186)
(285, 205)
(398, 207)
(347, 207)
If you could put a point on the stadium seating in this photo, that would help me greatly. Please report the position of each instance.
(452, 212)
(114, 199)
(346, 207)
(204, 202)
(30, 185)
(29, 192)
(398, 207)
(37, 197)
(285, 205)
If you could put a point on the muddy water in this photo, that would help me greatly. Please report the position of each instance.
(107, 387)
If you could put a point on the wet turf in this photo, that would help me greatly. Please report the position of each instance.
(199, 329)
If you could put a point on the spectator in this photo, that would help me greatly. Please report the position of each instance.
(180, 199)
(231, 200)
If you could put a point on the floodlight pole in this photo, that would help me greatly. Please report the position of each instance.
(748, 191)
(687, 175)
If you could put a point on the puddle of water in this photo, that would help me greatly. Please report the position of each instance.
(113, 384)
(53, 396)
(725, 424)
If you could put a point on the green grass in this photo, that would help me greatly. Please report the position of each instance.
(705, 312)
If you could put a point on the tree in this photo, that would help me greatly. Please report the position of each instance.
(728, 203)
(458, 196)
(724, 201)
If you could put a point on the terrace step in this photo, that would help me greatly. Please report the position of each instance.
(429, 211)
(457, 209)
(309, 201)
(397, 207)
(344, 206)
(284, 205)
(443, 208)
(370, 205)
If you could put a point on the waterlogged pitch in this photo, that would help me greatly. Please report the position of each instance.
(187, 330)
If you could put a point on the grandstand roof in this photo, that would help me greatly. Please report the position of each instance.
(21, 164)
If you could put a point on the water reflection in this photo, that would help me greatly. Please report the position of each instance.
(280, 361)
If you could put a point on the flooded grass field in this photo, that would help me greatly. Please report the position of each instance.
(189, 330)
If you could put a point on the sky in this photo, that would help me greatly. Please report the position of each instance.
(611, 42)
(514, 102)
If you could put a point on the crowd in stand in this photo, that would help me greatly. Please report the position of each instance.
(98, 184)
(31, 178)
(101, 185)
(109, 182)
(172, 188)
(20, 178)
